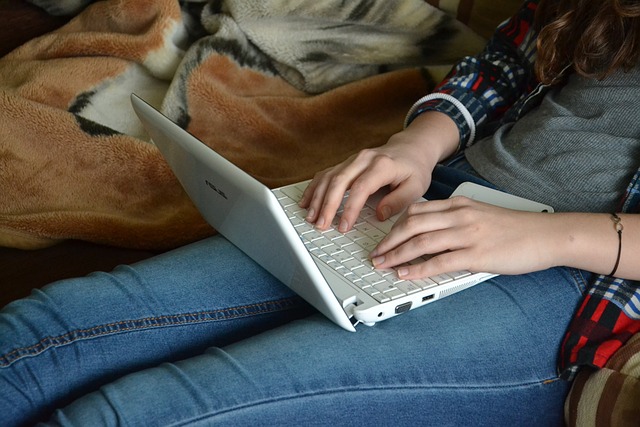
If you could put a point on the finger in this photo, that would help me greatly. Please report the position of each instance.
(443, 205)
(317, 186)
(440, 205)
(423, 217)
(331, 190)
(445, 262)
(399, 199)
(414, 222)
(322, 193)
(314, 195)
(417, 246)
(361, 189)
(325, 208)
(310, 191)
(366, 174)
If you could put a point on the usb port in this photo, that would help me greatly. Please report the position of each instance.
(427, 297)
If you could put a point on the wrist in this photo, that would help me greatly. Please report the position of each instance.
(435, 135)
(586, 241)
(452, 107)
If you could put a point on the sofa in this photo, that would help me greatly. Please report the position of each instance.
(610, 396)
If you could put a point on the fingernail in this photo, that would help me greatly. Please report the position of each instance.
(403, 272)
(344, 225)
(386, 212)
(320, 222)
(310, 213)
(378, 260)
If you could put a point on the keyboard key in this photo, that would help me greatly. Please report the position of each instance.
(370, 290)
(381, 297)
(385, 287)
(441, 279)
(367, 244)
(355, 235)
(296, 222)
(367, 213)
(373, 279)
(332, 234)
(352, 264)
(408, 287)
(395, 293)
(425, 283)
(330, 248)
(342, 241)
(371, 231)
(293, 192)
(356, 250)
(459, 274)
(341, 256)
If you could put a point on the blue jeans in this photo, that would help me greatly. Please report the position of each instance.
(203, 336)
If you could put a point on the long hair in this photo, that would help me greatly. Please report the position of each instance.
(594, 37)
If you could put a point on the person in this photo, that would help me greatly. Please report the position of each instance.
(202, 335)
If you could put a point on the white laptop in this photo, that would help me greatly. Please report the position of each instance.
(330, 270)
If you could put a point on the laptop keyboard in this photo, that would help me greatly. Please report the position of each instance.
(348, 253)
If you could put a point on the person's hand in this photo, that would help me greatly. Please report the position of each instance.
(405, 163)
(464, 234)
(362, 175)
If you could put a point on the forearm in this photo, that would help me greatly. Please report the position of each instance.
(590, 242)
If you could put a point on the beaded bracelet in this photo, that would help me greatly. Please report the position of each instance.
(617, 224)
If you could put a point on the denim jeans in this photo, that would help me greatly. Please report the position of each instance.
(203, 336)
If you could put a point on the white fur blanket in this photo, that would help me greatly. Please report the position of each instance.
(283, 88)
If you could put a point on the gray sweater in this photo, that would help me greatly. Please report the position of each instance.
(577, 151)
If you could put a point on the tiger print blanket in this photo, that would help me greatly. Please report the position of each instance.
(282, 88)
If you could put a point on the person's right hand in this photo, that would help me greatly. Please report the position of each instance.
(405, 163)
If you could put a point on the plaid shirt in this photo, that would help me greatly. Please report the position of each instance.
(499, 86)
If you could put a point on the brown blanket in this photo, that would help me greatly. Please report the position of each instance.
(281, 88)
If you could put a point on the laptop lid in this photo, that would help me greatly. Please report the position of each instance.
(241, 209)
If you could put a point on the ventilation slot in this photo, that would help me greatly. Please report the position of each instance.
(455, 289)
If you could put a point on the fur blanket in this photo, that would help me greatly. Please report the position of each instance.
(282, 88)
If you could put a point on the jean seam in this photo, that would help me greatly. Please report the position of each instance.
(579, 280)
(144, 324)
(351, 389)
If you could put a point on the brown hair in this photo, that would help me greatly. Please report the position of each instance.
(595, 37)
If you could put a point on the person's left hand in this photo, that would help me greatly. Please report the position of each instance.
(463, 234)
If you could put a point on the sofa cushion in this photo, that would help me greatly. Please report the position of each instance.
(609, 396)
